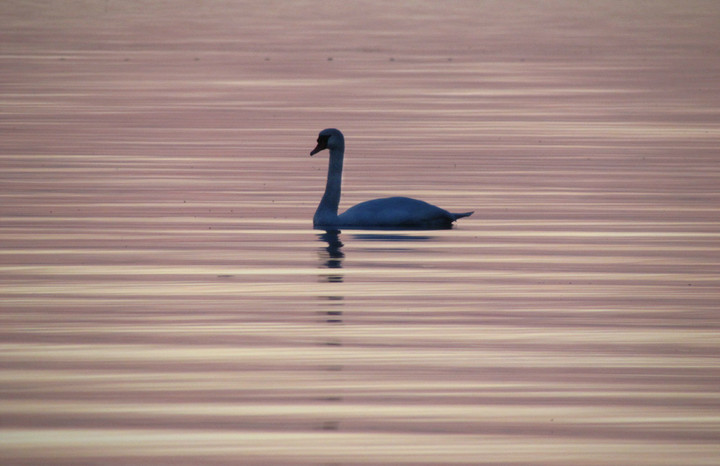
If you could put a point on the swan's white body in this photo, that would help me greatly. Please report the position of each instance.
(391, 212)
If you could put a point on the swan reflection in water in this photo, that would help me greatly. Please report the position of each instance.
(332, 255)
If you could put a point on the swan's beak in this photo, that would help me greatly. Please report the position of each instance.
(322, 144)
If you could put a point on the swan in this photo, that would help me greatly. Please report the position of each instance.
(391, 212)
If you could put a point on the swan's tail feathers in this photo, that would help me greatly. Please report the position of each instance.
(464, 214)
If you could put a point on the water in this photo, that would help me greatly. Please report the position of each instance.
(165, 299)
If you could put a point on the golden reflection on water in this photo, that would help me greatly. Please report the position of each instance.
(164, 300)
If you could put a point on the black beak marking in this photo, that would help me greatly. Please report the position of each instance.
(321, 144)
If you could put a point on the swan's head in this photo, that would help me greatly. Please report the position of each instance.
(330, 138)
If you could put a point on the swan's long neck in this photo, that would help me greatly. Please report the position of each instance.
(327, 211)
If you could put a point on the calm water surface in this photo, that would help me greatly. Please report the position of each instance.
(165, 299)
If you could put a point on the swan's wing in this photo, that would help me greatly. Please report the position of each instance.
(397, 212)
